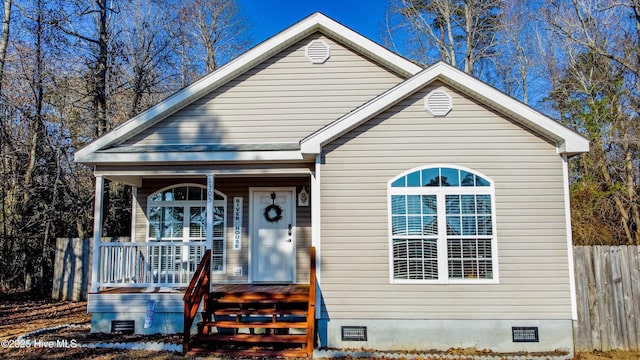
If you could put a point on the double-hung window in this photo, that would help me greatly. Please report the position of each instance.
(442, 226)
(179, 213)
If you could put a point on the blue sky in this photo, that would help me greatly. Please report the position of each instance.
(268, 17)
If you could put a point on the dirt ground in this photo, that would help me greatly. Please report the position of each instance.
(20, 314)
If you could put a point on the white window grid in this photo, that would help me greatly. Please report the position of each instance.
(416, 249)
(190, 228)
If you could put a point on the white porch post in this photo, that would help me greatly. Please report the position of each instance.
(210, 199)
(97, 232)
(316, 225)
(134, 206)
(567, 217)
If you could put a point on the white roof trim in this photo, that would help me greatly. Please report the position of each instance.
(567, 141)
(259, 53)
(179, 156)
(133, 172)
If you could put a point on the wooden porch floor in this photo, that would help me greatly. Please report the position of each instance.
(291, 289)
(140, 290)
(218, 289)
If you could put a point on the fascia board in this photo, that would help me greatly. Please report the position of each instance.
(190, 157)
(315, 22)
(567, 141)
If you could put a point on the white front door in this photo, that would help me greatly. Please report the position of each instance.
(273, 235)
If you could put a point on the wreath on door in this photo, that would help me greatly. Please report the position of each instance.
(273, 212)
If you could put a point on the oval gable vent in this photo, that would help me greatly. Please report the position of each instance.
(438, 102)
(317, 51)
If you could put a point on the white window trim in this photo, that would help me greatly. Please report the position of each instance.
(441, 192)
(188, 204)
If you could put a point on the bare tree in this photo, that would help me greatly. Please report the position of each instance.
(599, 96)
(216, 27)
(4, 43)
(4, 38)
(72, 20)
(148, 66)
(518, 58)
(460, 33)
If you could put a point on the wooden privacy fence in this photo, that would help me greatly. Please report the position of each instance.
(608, 297)
(72, 268)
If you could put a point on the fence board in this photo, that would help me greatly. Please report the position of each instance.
(619, 339)
(599, 264)
(634, 277)
(608, 297)
(628, 313)
(72, 268)
(592, 296)
(582, 329)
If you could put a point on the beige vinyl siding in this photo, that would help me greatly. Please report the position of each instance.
(232, 187)
(531, 238)
(286, 97)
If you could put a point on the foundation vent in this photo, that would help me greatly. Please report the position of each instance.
(438, 102)
(123, 326)
(525, 334)
(317, 51)
(354, 333)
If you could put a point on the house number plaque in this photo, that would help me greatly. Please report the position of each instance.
(237, 223)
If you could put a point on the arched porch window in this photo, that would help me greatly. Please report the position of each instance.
(179, 213)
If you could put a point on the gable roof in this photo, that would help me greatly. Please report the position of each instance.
(567, 141)
(261, 52)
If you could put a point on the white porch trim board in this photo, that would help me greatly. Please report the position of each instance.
(136, 172)
(209, 234)
(173, 157)
(567, 216)
(316, 233)
(97, 231)
(134, 202)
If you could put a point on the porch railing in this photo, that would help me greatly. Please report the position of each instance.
(144, 264)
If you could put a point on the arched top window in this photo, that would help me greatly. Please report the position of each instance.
(441, 177)
(442, 226)
(179, 213)
(186, 192)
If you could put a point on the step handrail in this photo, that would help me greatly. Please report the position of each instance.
(197, 290)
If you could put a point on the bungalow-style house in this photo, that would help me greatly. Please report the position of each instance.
(322, 190)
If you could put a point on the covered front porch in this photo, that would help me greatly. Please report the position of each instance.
(178, 213)
(252, 225)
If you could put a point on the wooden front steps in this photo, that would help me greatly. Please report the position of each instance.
(250, 320)
(255, 320)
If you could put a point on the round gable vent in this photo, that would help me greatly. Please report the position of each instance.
(317, 51)
(438, 102)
